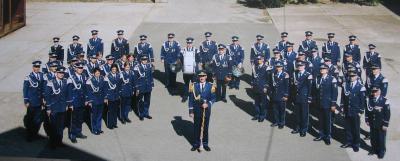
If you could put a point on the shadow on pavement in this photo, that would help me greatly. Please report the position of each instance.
(183, 128)
(13, 144)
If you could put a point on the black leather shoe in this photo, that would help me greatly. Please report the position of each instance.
(128, 121)
(224, 100)
(111, 128)
(294, 131)
(345, 145)
(115, 126)
(303, 134)
(280, 127)
(141, 118)
(149, 117)
(274, 124)
(101, 132)
(381, 155)
(96, 133)
(260, 120)
(207, 148)
(74, 140)
(184, 100)
(327, 142)
(81, 136)
(318, 139)
(254, 118)
(123, 121)
(356, 149)
(194, 149)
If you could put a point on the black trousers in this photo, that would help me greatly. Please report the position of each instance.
(57, 121)
(75, 121)
(33, 120)
(221, 90)
(302, 115)
(352, 128)
(112, 113)
(279, 109)
(170, 76)
(378, 140)
(198, 123)
(325, 123)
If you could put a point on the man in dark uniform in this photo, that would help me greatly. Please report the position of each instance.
(33, 101)
(326, 93)
(144, 48)
(302, 82)
(331, 49)
(259, 48)
(236, 52)
(221, 71)
(377, 118)
(371, 57)
(76, 102)
(144, 87)
(201, 98)
(208, 48)
(170, 57)
(119, 46)
(260, 86)
(75, 48)
(353, 49)
(281, 45)
(279, 94)
(95, 45)
(353, 104)
(57, 49)
(308, 44)
(56, 96)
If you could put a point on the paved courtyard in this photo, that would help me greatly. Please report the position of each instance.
(233, 136)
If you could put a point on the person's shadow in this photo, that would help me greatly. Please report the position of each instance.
(183, 128)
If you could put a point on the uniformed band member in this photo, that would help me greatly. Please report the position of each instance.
(350, 62)
(208, 48)
(56, 96)
(144, 86)
(236, 52)
(119, 46)
(279, 94)
(57, 49)
(106, 68)
(52, 59)
(260, 85)
(371, 57)
(281, 45)
(302, 83)
(95, 45)
(377, 118)
(290, 56)
(127, 90)
(378, 80)
(170, 57)
(112, 97)
(76, 84)
(308, 44)
(221, 72)
(353, 103)
(190, 59)
(259, 48)
(353, 49)
(144, 48)
(315, 62)
(331, 49)
(95, 87)
(201, 98)
(90, 66)
(33, 101)
(75, 48)
(326, 92)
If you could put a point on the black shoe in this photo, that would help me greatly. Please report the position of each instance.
(128, 121)
(280, 127)
(254, 118)
(318, 139)
(224, 100)
(115, 126)
(345, 145)
(96, 133)
(371, 153)
(356, 149)
(101, 131)
(74, 140)
(302, 134)
(260, 120)
(141, 118)
(184, 100)
(123, 121)
(274, 124)
(294, 131)
(149, 117)
(327, 142)
(111, 128)
(194, 149)
(206, 148)
(81, 136)
(380, 156)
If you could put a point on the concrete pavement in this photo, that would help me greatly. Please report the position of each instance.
(233, 136)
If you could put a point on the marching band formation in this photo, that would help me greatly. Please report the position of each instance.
(91, 89)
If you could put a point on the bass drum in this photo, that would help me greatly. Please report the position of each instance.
(176, 67)
(237, 72)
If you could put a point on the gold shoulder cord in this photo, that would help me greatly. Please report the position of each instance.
(191, 88)
(213, 88)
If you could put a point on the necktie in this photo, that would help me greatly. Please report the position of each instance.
(202, 88)
(59, 83)
(170, 44)
(208, 42)
(144, 67)
(80, 78)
